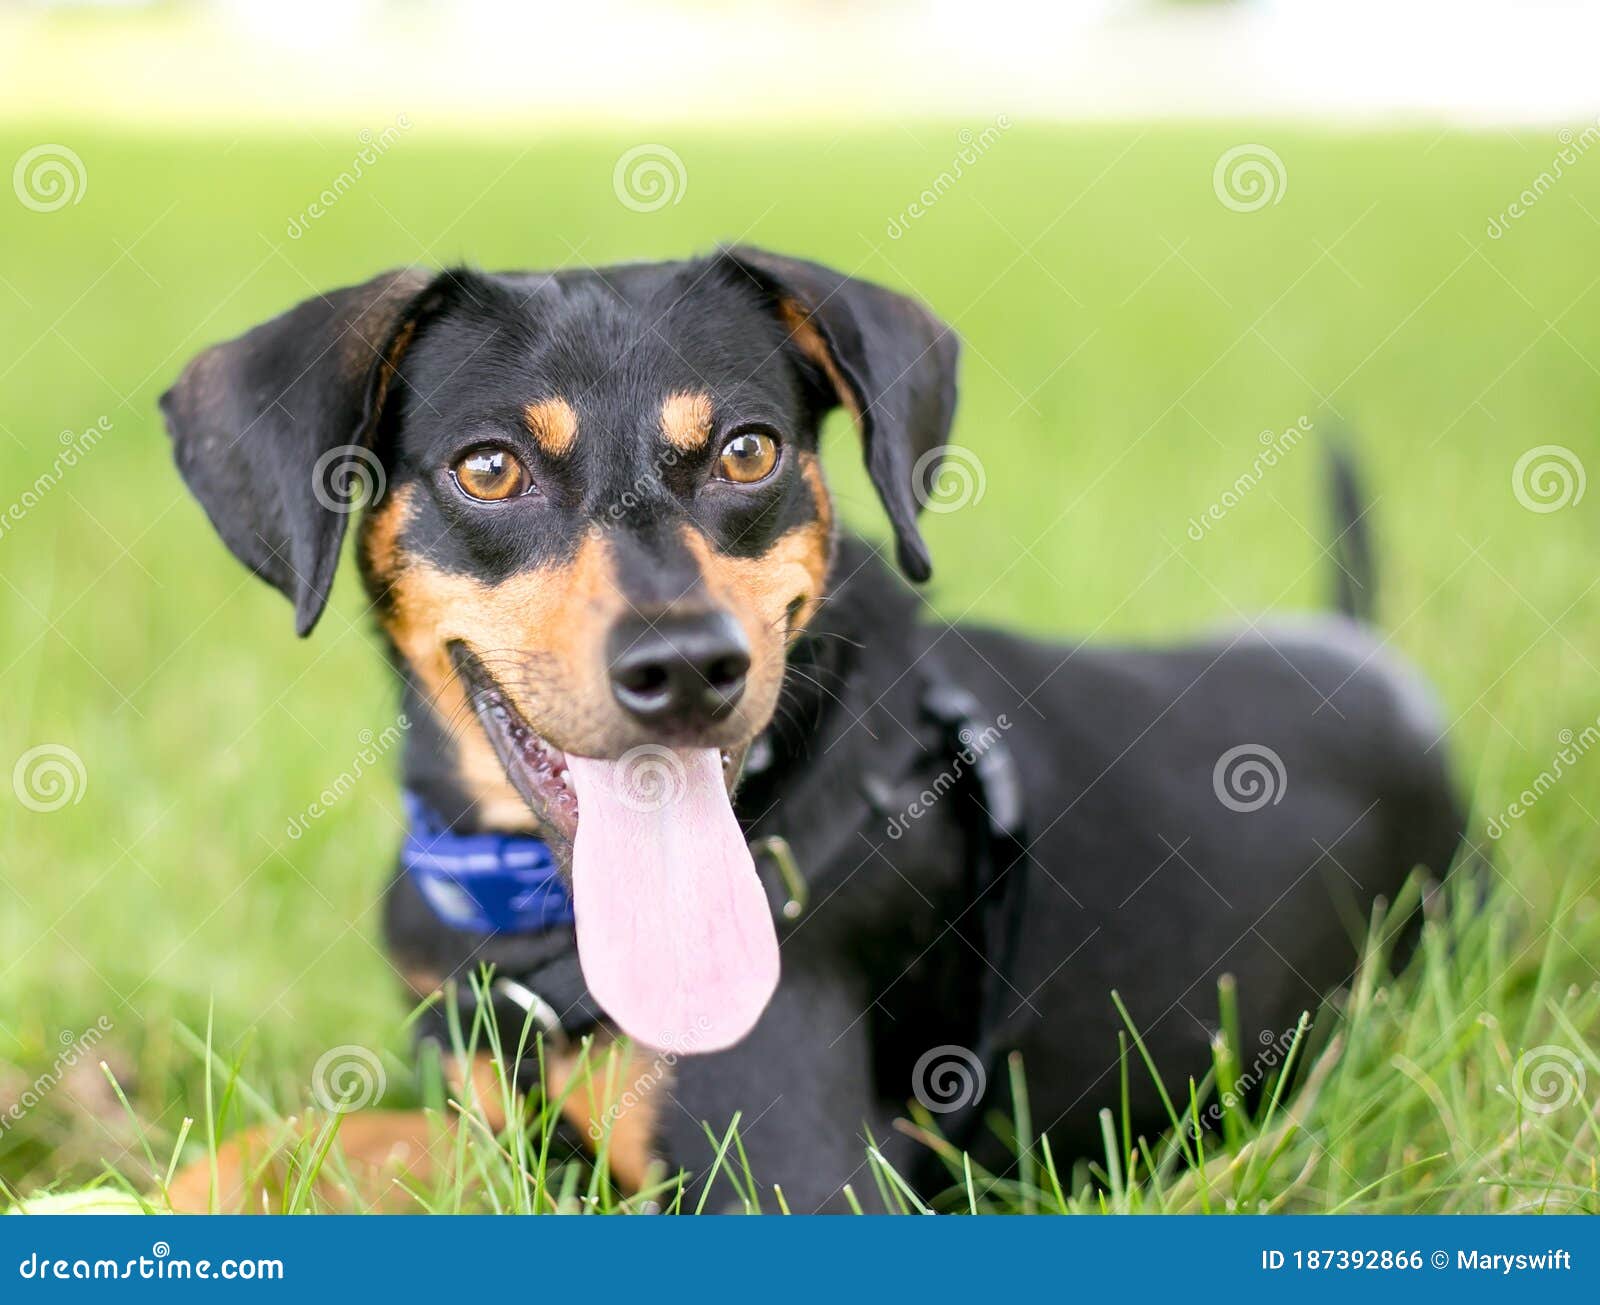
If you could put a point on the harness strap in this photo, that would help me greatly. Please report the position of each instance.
(997, 879)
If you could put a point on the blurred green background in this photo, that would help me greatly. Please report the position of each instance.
(1128, 338)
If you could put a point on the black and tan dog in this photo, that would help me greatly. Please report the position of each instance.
(603, 555)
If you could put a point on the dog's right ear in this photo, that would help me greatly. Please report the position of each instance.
(272, 431)
(887, 359)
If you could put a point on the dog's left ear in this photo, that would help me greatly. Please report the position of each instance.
(889, 361)
(272, 431)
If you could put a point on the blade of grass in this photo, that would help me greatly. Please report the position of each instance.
(716, 1165)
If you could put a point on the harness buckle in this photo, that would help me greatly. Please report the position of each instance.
(531, 1003)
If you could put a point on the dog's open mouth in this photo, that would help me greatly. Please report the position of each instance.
(675, 935)
(539, 770)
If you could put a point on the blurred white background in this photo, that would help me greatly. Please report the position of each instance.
(610, 61)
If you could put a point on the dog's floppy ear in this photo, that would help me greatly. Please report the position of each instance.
(889, 361)
(272, 430)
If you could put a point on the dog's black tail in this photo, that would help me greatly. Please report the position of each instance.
(1355, 572)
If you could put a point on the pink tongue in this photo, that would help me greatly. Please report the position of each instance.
(674, 932)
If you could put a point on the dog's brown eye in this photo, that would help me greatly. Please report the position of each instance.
(491, 474)
(748, 457)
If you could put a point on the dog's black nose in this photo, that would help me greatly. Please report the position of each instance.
(678, 670)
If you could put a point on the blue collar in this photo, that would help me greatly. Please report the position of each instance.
(483, 883)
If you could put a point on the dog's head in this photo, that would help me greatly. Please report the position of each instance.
(597, 521)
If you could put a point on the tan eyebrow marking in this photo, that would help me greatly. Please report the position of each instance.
(686, 421)
(553, 425)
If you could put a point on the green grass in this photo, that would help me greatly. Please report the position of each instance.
(1128, 338)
